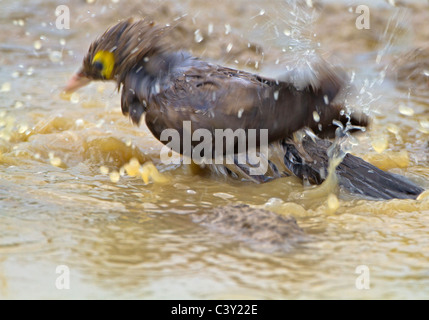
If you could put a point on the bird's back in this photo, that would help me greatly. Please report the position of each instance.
(176, 87)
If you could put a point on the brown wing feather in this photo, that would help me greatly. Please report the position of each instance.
(184, 88)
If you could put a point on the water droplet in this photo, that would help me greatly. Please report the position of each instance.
(326, 99)
(380, 144)
(223, 195)
(273, 202)
(406, 111)
(74, 98)
(190, 191)
(18, 105)
(37, 44)
(229, 47)
(316, 116)
(22, 128)
(287, 32)
(62, 42)
(55, 56)
(240, 113)
(333, 203)
(227, 28)
(423, 196)
(210, 28)
(424, 123)
(133, 167)
(378, 59)
(352, 78)
(99, 123)
(198, 37)
(5, 87)
(276, 95)
(393, 128)
(114, 176)
(79, 122)
(30, 71)
(104, 170)
(55, 161)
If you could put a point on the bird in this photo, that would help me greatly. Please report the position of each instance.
(171, 86)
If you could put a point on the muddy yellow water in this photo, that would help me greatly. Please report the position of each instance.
(65, 201)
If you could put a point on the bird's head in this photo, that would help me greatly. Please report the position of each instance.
(114, 53)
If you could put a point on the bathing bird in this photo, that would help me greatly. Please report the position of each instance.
(170, 87)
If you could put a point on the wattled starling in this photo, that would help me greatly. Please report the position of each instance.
(172, 87)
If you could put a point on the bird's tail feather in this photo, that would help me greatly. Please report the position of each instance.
(354, 174)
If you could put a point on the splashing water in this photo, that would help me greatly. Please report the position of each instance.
(344, 141)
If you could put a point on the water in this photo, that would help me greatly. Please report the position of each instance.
(129, 239)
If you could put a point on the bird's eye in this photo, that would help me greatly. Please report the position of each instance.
(98, 65)
(104, 63)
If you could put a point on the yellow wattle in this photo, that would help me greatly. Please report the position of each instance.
(108, 60)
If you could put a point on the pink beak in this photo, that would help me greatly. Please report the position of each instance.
(78, 80)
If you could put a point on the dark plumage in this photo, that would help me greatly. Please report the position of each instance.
(354, 174)
(171, 87)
